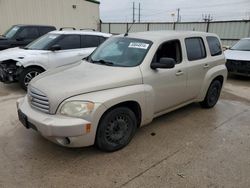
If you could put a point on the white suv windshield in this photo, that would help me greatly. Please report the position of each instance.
(11, 32)
(121, 51)
(242, 45)
(43, 42)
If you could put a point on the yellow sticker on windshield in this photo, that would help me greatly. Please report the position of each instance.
(138, 45)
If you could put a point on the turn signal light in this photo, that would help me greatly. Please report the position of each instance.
(88, 128)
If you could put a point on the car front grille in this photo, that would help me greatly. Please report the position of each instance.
(38, 100)
(238, 66)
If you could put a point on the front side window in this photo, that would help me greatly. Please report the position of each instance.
(68, 42)
(195, 48)
(170, 49)
(121, 51)
(28, 33)
(214, 46)
(242, 45)
(43, 43)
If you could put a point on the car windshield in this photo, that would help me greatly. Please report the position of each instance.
(43, 42)
(11, 32)
(242, 45)
(121, 51)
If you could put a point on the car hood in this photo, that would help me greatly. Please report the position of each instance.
(83, 77)
(19, 54)
(237, 55)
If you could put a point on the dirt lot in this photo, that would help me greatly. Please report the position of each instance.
(191, 147)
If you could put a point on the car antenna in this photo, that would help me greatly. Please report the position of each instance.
(126, 34)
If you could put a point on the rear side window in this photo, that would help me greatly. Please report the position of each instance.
(102, 39)
(195, 48)
(89, 41)
(70, 42)
(214, 46)
(45, 30)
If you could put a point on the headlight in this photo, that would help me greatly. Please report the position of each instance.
(77, 109)
(18, 64)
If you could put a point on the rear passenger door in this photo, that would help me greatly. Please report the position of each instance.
(197, 65)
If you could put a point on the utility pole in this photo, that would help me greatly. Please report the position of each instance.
(178, 15)
(139, 15)
(133, 12)
(207, 17)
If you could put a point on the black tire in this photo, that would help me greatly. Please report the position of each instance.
(27, 75)
(116, 129)
(212, 95)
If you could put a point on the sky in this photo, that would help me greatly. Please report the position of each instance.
(166, 10)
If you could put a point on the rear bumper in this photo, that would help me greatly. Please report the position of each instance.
(238, 67)
(56, 128)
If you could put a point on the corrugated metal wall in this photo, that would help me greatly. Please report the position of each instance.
(229, 31)
(59, 13)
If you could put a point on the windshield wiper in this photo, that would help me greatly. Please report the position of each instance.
(103, 62)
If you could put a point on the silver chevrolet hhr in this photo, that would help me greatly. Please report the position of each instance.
(126, 82)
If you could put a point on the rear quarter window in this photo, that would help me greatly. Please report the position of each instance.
(195, 48)
(214, 46)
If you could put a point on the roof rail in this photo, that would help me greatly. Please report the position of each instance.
(87, 29)
(63, 28)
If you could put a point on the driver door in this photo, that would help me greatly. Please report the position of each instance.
(169, 85)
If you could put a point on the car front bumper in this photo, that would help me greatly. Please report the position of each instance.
(62, 130)
(9, 74)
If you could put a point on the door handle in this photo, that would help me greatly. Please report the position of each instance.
(206, 66)
(179, 73)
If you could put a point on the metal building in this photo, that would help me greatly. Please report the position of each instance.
(59, 13)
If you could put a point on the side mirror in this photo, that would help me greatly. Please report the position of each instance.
(55, 47)
(165, 63)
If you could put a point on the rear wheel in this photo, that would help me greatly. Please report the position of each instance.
(116, 129)
(212, 95)
(27, 75)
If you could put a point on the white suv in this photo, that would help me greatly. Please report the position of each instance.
(52, 50)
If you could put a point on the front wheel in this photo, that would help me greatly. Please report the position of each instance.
(116, 129)
(27, 75)
(212, 95)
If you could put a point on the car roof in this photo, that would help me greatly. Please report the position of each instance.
(81, 32)
(26, 25)
(161, 35)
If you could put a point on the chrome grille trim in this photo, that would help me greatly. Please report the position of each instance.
(38, 100)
